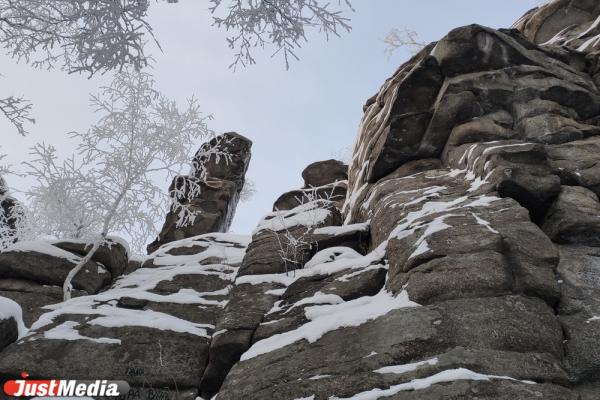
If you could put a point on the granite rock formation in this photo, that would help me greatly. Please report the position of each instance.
(218, 175)
(32, 273)
(463, 264)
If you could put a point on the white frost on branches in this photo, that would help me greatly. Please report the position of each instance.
(17, 111)
(93, 36)
(279, 23)
(79, 35)
(98, 36)
(61, 203)
(110, 186)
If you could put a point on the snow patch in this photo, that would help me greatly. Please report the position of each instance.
(317, 377)
(317, 298)
(43, 248)
(401, 369)
(327, 318)
(11, 309)
(451, 375)
(309, 215)
(67, 331)
(342, 230)
(111, 317)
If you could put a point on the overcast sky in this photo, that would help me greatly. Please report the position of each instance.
(295, 117)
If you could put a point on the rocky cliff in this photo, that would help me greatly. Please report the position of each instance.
(457, 257)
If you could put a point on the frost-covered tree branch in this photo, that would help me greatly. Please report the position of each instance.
(282, 24)
(398, 38)
(141, 138)
(87, 36)
(93, 36)
(61, 202)
(17, 111)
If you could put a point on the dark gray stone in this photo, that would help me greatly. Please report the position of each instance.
(335, 192)
(51, 270)
(574, 218)
(9, 332)
(321, 173)
(577, 162)
(32, 297)
(112, 255)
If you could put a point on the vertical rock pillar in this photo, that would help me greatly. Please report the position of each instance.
(220, 179)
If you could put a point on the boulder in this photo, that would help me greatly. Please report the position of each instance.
(485, 86)
(335, 192)
(46, 264)
(211, 208)
(225, 157)
(132, 265)
(225, 350)
(321, 173)
(111, 254)
(574, 218)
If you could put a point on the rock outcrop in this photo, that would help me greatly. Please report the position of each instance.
(323, 180)
(151, 328)
(463, 264)
(211, 191)
(32, 273)
(467, 171)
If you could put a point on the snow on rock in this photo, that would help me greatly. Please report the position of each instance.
(111, 317)
(317, 298)
(103, 310)
(10, 309)
(342, 230)
(44, 247)
(332, 254)
(66, 331)
(401, 369)
(459, 374)
(325, 262)
(309, 215)
(326, 318)
(227, 248)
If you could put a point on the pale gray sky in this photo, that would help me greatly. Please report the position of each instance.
(295, 117)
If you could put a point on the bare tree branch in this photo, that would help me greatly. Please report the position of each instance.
(280, 23)
(397, 38)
